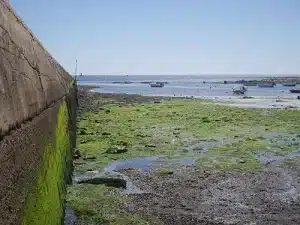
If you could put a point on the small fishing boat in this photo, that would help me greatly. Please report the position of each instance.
(240, 90)
(269, 85)
(295, 90)
(157, 84)
(291, 84)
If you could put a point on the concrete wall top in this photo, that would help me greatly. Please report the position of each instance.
(30, 78)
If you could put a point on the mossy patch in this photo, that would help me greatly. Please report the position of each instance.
(99, 204)
(45, 205)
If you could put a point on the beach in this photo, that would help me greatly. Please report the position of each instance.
(185, 160)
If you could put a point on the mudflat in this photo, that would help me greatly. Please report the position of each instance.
(151, 160)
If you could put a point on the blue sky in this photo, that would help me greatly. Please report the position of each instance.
(168, 36)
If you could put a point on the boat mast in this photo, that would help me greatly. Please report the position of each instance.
(75, 74)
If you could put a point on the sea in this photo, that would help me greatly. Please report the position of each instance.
(208, 86)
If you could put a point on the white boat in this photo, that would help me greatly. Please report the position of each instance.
(290, 84)
(240, 90)
(157, 84)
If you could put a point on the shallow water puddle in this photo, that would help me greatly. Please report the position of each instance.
(70, 217)
(269, 158)
(149, 163)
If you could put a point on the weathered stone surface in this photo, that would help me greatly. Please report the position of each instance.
(30, 78)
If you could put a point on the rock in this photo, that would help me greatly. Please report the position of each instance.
(90, 157)
(107, 111)
(242, 161)
(205, 119)
(123, 143)
(106, 133)
(77, 154)
(151, 146)
(111, 181)
(116, 150)
(83, 132)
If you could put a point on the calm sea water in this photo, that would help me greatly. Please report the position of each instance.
(213, 87)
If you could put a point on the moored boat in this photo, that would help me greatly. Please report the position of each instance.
(291, 84)
(264, 84)
(240, 90)
(157, 84)
(295, 90)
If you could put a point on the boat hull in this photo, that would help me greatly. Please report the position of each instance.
(289, 84)
(295, 90)
(239, 92)
(157, 85)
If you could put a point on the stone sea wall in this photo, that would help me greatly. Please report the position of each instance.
(37, 127)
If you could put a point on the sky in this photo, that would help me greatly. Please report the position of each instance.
(157, 37)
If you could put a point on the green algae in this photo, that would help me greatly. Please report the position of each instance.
(228, 164)
(99, 204)
(167, 129)
(240, 155)
(45, 205)
(171, 125)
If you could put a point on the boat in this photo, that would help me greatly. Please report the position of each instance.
(157, 84)
(266, 84)
(240, 90)
(292, 84)
(295, 90)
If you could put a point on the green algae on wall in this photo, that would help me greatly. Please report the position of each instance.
(46, 204)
